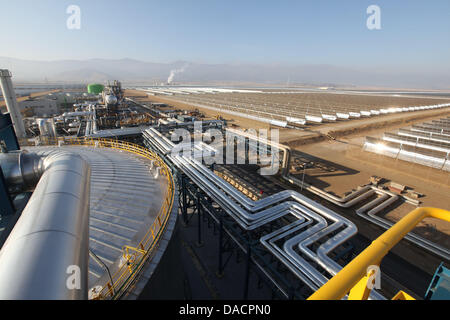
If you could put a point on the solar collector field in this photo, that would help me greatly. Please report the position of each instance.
(303, 108)
(427, 144)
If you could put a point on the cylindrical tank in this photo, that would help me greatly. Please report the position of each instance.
(110, 99)
(95, 88)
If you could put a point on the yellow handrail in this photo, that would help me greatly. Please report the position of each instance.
(343, 282)
(135, 259)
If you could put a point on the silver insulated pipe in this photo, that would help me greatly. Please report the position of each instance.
(310, 223)
(22, 170)
(46, 255)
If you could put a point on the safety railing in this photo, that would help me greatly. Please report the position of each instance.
(354, 279)
(134, 257)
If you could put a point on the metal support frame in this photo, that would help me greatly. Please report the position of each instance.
(199, 215)
(216, 219)
(219, 272)
(225, 246)
(439, 288)
(233, 238)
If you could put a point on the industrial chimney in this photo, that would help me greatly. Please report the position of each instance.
(11, 103)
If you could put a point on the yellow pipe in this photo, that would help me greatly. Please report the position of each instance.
(338, 286)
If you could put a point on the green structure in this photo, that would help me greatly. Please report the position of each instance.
(95, 88)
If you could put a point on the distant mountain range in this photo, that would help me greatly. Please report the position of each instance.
(139, 72)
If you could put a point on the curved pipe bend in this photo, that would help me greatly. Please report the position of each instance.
(46, 255)
(251, 214)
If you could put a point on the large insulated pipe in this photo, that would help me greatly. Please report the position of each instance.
(22, 170)
(46, 255)
(11, 102)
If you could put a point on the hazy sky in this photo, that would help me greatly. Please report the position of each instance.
(414, 34)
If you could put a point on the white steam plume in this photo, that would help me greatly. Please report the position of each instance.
(174, 72)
